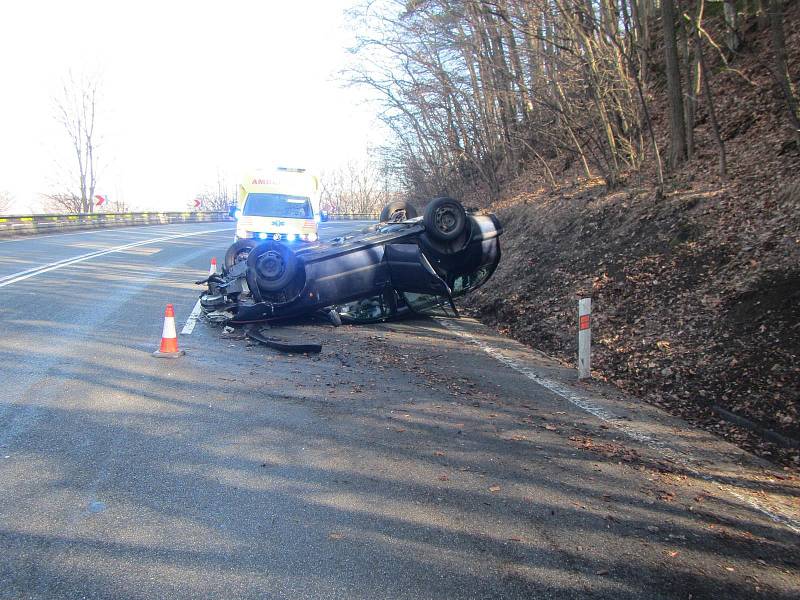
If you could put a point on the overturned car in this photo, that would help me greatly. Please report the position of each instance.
(405, 264)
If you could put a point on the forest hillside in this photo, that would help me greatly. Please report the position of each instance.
(645, 154)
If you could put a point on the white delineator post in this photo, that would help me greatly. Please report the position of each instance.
(584, 338)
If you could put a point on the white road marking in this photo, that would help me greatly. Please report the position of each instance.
(585, 403)
(28, 273)
(192, 320)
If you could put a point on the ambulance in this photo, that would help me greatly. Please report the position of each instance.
(281, 204)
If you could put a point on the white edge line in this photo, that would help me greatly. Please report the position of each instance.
(585, 404)
(191, 321)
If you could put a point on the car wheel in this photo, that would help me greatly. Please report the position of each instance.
(238, 252)
(398, 211)
(445, 219)
(273, 264)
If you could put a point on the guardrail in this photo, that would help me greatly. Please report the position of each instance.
(32, 224)
(18, 225)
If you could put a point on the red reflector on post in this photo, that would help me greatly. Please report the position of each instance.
(584, 322)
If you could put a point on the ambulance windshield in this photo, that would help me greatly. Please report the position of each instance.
(277, 205)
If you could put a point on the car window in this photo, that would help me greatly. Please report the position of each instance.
(393, 227)
(437, 306)
(277, 205)
(464, 283)
(367, 310)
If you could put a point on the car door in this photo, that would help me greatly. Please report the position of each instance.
(410, 271)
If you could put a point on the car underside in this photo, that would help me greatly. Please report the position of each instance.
(403, 265)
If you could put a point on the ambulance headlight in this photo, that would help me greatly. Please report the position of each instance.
(312, 237)
(262, 236)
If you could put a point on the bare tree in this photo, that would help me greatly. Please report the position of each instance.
(76, 110)
(115, 205)
(357, 187)
(677, 152)
(63, 202)
(732, 37)
(781, 67)
(5, 201)
(219, 199)
(474, 91)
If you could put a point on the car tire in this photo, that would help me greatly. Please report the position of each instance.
(238, 251)
(273, 266)
(394, 210)
(445, 219)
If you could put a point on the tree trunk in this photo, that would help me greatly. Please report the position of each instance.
(640, 39)
(712, 113)
(677, 151)
(732, 39)
(781, 67)
(762, 12)
(690, 98)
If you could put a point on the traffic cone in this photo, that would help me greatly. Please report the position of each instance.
(169, 338)
(213, 269)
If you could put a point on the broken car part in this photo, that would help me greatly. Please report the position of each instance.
(276, 344)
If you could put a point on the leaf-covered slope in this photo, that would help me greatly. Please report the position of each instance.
(696, 295)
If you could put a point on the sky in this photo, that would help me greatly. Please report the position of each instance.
(187, 90)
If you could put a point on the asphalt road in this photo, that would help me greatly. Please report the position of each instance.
(420, 459)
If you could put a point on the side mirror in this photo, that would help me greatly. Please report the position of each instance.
(232, 211)
(323, 215)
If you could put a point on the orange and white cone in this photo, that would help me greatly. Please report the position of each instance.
(169, 337)
(213, 269)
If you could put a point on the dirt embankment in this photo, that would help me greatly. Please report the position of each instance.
(696, 295)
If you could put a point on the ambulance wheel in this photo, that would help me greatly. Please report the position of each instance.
(238, 252)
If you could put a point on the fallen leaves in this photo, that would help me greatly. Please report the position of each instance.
(698, 293)
(614, 450)
(665, 495)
